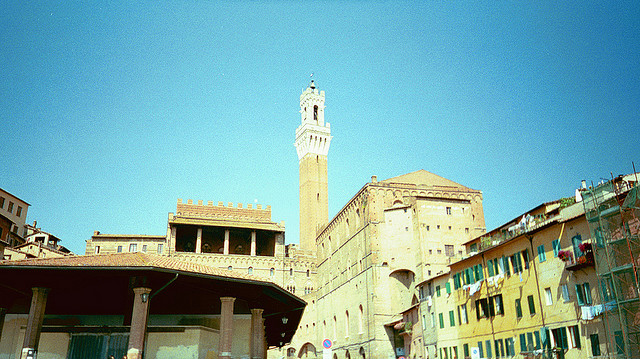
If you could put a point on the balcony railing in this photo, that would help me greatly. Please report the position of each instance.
(583, 261)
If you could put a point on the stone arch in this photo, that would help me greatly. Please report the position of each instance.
(401, 283)
(307, 350)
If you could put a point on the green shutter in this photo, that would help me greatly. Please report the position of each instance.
(532, 308)
(579, 294)
(518, 308)
(448, 287)
(587, 293)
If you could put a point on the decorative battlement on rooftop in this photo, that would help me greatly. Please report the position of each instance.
(230, 211)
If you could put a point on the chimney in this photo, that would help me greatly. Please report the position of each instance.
(584, 184)
(374, 179)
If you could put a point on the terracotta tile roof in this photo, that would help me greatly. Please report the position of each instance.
(131, 260)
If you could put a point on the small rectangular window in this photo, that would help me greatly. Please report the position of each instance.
(595, 345)
(465, 349)
(480, 349)
(441, 317)
(449, 210)
(488, 344)
(10, 208)
(159, 248)
(556, 247)
(119, 249)
(574, 336)
(532, 307)
(452, 319)
(565, 293)
(144, 248)
(437, 291)
(542, 256)
(523, 342)
(448, 250)
(19, 211)
(97, 250)
(466, 231)
(548, 296)
(1, 202)
(448, 287)
(463, 314)
(133, 247)
(518, 309)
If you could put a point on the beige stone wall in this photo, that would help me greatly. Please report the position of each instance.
(109, 244)
(314, 210)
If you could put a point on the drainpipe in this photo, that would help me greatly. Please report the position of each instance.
(535, 270)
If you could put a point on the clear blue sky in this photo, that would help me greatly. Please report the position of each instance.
(110, 111)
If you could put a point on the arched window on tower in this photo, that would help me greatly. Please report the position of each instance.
(315, 113)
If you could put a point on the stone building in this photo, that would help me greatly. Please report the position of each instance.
(388, 237)
(13, 216)
(240, 238)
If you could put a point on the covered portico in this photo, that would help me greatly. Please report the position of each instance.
(145, 304)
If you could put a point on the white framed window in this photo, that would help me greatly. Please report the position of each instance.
(119, 249)
(144, 248)
(160, 248)
(565, 293)
(133, 247)
(548, 296)
(97, 250)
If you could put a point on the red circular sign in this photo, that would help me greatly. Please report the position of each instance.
(327, 343)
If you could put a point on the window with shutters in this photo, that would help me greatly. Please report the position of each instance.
(542, 256)
(532, 307)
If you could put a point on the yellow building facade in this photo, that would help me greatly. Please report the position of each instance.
(527, 289)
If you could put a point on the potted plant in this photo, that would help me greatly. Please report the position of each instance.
(565, 255)
(585, 247)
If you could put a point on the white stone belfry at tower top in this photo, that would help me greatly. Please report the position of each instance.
(313, 136)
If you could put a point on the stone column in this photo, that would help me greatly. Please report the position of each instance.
(226, 242)
(3, 312)
(139, 318)
(256, 341)
(34, 323)
(199, 240)
(226, 328)
(253, 243)
(172, 245)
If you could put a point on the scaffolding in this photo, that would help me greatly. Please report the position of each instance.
(612, 210)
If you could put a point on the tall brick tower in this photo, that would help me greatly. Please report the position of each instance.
(312, 143)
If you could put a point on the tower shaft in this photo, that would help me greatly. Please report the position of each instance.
(313, 137)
